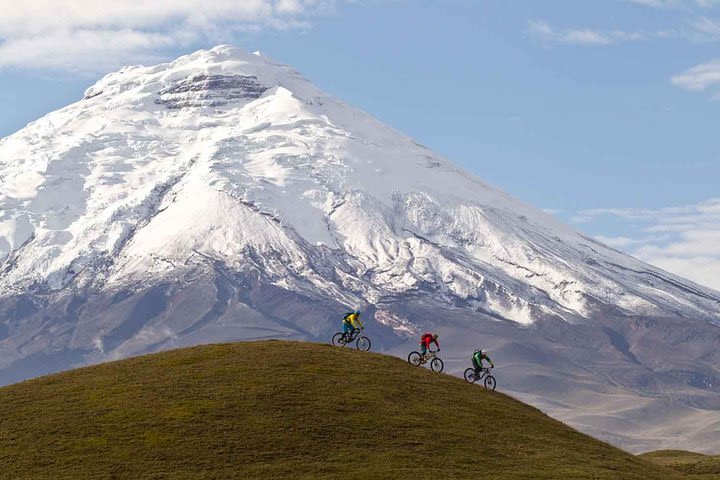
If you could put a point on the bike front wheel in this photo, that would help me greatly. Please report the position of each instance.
(338, 340)
(490, 383)
(415, 358)
(470, 375)
(363, 343)
(436, 365)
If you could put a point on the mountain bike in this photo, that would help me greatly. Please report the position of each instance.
(473, 376)
(361, 342)
(417, 359)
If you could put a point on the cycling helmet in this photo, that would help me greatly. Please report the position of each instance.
(356, 312)
(483, 352)
(435, 336)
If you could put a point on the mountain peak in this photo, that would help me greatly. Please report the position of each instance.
(223, 67)
(221, 53)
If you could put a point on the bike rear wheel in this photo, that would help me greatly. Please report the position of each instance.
(436, 365)
(363, 343)
(414, 358)
(470, 375)
(490, 383)
(338, 340)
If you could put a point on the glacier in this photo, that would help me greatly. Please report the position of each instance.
(223, 196)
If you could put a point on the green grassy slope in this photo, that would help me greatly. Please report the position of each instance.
(286, 410)
(693, 465)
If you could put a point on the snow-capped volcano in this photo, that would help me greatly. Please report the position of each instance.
(223, 196)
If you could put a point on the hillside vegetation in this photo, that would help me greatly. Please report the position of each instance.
(693, 465)
(286, 410)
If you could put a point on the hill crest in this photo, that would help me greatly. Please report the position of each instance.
(279, 409)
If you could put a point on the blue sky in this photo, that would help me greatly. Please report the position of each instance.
(604, 112)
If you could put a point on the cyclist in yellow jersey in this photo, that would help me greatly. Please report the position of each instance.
(351, 322)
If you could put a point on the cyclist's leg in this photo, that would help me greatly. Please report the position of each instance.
(423, 349)
(476, 366)
(347, 329)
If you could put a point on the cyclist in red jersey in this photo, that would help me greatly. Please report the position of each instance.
(426, 340)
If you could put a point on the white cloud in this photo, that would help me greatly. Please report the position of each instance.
(700, 269)
(700, 29)
(676, 3)
(546, 32)
(706, 28)
(617, 242)
(74, 49)
(700, 77)
(92, 35)
(684, 240)
(657, 3)
(703, 29)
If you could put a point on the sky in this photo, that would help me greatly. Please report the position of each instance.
(604, 113)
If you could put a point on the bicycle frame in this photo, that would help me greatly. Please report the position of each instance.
(428, 356)
(353, 335)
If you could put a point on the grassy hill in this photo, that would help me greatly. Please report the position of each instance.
(693, 465)
(286, 410)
